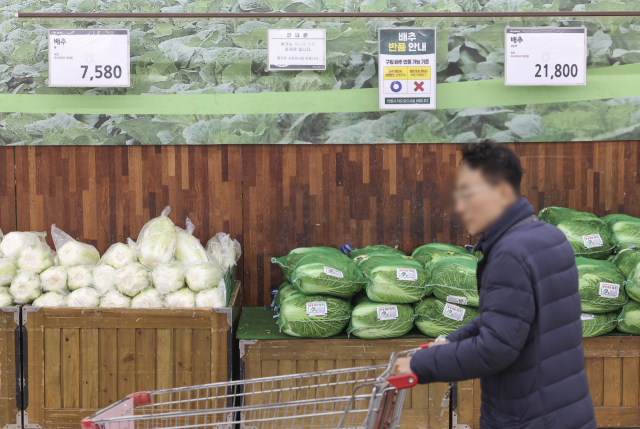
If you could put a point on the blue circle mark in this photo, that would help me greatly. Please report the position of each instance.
(396, 86)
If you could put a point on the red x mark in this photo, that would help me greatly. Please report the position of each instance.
(418, 86)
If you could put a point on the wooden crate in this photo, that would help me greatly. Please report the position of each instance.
(82, 360)
(265, 358)
(613, 370)
(9, 407)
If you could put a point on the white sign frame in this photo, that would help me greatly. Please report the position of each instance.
(56, 82)
(508, 64)
(272, 36)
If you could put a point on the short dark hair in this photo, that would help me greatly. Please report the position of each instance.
(496, 162)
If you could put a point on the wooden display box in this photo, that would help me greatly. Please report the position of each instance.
(82, 360)
(613, 369)
(265, 358)
(9, 397)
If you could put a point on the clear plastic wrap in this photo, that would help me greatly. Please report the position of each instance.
(203, 275)
(71, 252)
(133, 279)
(54, 279)
(156, 242)
(188, 247)
(87, 297)
(224, 250)
(13, 242)
(119, 255)
(50, 299)
(148, 298)
(80, 276)
(115, 299)
(8, 271)
(104, 278)
(6, 300)
(213, 298)
(184, 298)
(35, 256)
(168, 277)
(25, 287)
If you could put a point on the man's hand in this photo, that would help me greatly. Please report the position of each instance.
(402, 366)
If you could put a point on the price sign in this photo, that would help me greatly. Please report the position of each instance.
(297, 49)
(89, 58)
(546, 56)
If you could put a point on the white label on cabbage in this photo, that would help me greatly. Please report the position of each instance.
(318, 308)
(609, 290)
(453, 312)
(593, 240)
(587, 316)
(333, 272)
(409, 274)
(389, 312)
(457, 299)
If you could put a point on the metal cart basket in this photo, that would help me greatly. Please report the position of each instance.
(352, 398)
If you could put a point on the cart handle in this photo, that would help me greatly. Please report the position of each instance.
(403, 381)
(140, 398)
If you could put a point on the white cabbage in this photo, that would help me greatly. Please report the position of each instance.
(84, 297)
(148, 298)
(13, 242)
(203, 275)
(35, 257)
(183, 298)
(115, 299)
(132, 279)
(104, 278)
(79, 276)
(215, 298)
(8, 271)
(224, 250)
(50, 299)
(71, 252)
(54, 279)
(25, 287)
(188, 248)
(168, 277)
(157, 241)
(119, 255)
(6, 300)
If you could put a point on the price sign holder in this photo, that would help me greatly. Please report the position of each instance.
(89, 58)
(545, 56)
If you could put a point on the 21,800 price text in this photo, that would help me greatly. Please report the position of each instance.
(561, 70)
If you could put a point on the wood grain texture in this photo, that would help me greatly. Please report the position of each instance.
(8, 221)
(8, 406)
(397, 195)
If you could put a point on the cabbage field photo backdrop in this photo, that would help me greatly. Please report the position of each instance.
(217, 70)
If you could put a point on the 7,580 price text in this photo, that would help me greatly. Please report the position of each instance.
(99, 72)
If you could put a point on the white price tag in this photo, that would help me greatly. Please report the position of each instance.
(89, 58)
(333, 272)
(389, 312)
(407, 68)
(545, 56)
(318, 308)
(587, 316)
(297, 49)
(593, 240)
(457, 299)
(453, 312)
(409, 274)
(609, 290)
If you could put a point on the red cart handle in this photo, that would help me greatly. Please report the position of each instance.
(403, 381)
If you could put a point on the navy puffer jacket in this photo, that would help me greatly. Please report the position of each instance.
(526, 345)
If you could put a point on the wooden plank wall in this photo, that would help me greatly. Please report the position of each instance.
(8, 406)
(274, 198)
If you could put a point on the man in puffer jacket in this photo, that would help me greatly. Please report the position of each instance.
(526, 345)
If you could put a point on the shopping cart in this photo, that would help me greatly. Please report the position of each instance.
(351, 398)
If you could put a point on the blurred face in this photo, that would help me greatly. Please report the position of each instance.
(479, 202)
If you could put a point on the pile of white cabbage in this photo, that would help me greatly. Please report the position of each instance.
(166, 267)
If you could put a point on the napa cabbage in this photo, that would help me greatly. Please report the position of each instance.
(313, 316)
(372, 320)
(327, 274)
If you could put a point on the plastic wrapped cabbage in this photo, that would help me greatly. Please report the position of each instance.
(434, 317)
(119, 255)
(594, 325)
(6, 300)
(327, 275)
(394, 279)
(84, 297)
(453, 279)
(35, 256)
(71, 252)
(626, 229)
(157, 241)
(183, 298)
(286, 289)
(188, 248)
(50, 299)
(104, 278)
(25, 287)
(79, 276)
(313, 316)
(148, 298)
(601, 286)
(629, 318)
(13, 242)
(212, 298)
(115, 299)
(8, 271)
(133, 279)
(288, 262)
(168, 277)
(377, 249)
(224, 250)
(203, 275)
(371, 320)
(424, 254)
(54, 279)
(627, 261)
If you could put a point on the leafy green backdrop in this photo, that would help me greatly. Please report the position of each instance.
(228, 56)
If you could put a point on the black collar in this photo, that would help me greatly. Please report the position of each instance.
(518, 211)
